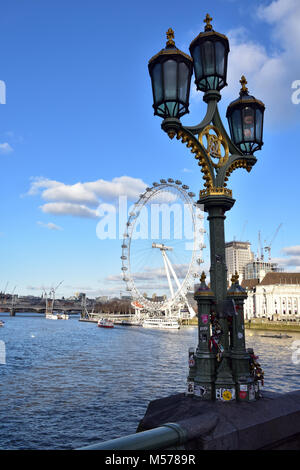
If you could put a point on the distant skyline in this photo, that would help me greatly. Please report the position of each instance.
(77, 130)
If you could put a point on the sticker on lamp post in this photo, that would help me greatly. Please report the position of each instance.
(225, 394)
(243, 392)
(192, 357)
(190, 387)
(200, 391)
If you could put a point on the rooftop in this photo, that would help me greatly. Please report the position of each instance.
(272, 278)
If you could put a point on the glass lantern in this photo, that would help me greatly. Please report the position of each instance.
(209, 51)
(170, 71)
(245, 117)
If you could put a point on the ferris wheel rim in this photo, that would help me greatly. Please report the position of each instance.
(181, 291)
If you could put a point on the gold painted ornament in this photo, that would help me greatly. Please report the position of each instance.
(214, 143)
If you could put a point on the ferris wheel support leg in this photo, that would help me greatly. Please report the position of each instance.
(191, 311)
(165, 258)
(172, 271)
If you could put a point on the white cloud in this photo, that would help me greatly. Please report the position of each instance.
(291, 260)
(66, 208)
(89, 193)
(270, 71)
(5, 148)
(270, 74)
(79, 199)
(50, 226)
(292, 250)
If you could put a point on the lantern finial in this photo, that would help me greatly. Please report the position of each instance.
(207, 20)
(203, 277)
(243, 82)
(170, 38)
(235, 278)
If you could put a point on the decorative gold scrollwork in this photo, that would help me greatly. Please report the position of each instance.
(214, 142)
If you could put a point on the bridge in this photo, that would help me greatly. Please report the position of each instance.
(40, 307)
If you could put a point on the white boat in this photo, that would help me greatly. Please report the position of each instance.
(51, 316)
(63, 316)
(1, 323)
(165, 323)
(105, 323)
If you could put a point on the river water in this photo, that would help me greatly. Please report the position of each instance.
(66, 384)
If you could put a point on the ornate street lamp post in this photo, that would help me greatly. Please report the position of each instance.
(221, 368)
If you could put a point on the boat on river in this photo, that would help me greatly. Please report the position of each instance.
(52, 316)
(163, 323)
(1, 323)
(63, 316)
(276, 336)
(105, 323)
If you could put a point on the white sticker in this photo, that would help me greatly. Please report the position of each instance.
(200, 391)
(190, 388)
(251, 392)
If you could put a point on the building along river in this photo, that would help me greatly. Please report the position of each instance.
(67, 384)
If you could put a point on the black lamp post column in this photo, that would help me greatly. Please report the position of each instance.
(204, 375)
(216, 206)
(245, 390)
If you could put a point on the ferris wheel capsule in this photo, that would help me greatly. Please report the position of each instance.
(192, 194)
(185, 186)
(155, 184)
(170, 180)
(178, 182)
(163, 181)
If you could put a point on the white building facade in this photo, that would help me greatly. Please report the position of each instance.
(276, 297)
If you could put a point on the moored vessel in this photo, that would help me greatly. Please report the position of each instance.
(164, 323)
(105, 323)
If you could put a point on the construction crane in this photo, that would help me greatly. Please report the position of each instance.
(243, 230)
(268, 247)
(50, 302)
(260, 253)
(53, 293)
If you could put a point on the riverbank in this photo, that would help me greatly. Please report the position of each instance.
(262, 324)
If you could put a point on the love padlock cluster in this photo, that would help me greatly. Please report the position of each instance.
(222, 368)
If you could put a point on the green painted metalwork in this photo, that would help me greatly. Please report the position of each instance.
(169, 434)
(224, 374)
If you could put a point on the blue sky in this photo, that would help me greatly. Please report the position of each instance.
(78, 119)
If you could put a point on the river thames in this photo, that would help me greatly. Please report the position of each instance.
(67, 384)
